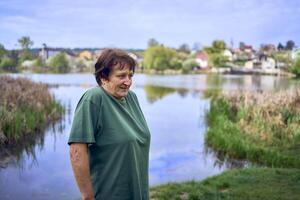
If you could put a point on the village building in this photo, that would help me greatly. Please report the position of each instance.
(202, 60)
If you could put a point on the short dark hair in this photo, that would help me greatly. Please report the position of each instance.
(110, 58)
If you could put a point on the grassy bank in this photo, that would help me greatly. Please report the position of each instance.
(246, 184)
(25, 108)
(261, 127)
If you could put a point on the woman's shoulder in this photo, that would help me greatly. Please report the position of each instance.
(95, 95)
(132, 95)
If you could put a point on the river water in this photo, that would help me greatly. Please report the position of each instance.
(174, 107)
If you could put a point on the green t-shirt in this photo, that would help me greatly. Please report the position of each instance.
(118, 140)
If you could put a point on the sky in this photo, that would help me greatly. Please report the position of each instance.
(131, 23)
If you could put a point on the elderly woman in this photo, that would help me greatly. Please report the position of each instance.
(110, 139)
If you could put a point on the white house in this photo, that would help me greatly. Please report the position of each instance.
(249, 64)
(202, 60)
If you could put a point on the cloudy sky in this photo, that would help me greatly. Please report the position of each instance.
(131, 23)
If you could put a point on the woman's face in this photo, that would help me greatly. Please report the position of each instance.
(119, 81)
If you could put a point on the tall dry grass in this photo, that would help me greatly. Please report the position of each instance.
(25, 107)
(268, 114)
(261, 126)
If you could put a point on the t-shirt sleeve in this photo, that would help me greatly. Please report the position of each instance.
(85, 123)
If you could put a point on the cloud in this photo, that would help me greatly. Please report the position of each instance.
(132, 23)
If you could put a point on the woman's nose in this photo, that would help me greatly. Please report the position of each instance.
(128, 81)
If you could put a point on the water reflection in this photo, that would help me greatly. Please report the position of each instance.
(25, 151)
(221, 160)
(155, 93)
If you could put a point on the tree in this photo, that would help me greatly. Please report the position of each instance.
(152, 42)
(2, 51)
(60, 63)
(38, 62)
(25, 44)
(14, 56)
(188, 65)
(295, 68)
(160, 58)
(290, 45)
(215, 54)
(218, 46)
(217, 60)
(184, 48)
(280, 47)
(242, 45)
(7, 64)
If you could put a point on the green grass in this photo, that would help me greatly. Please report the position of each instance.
(252, 184)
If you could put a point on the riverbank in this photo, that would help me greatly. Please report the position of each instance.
(25, 109)
(263, 127)
(213, 70)
(246, 184)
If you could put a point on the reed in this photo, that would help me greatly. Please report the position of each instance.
(263, 127)
(25, 108)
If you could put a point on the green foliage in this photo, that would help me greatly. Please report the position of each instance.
(81, 66)
(217, 60)
(188, 65)
(154, 93)
(161, 58)
(6, 64)
(282, 57)
(25, 55)
(184, 48)
(25, 42)
(290, 45)
(38, 62)
(280, 47)
(2, 51)
(60, 63)
(218, 47)
(245, 184)
(295, 68)
(215, 54)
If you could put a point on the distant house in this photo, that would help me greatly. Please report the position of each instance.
(247, 48)
(86, 55)
(246, 54)
(265, 62)
(249, 64)
(46, 53)
(202, 60)
(268, 49)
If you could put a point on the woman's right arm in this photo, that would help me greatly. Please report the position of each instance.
(81, 169)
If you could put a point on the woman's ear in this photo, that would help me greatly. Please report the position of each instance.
(104, 81)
